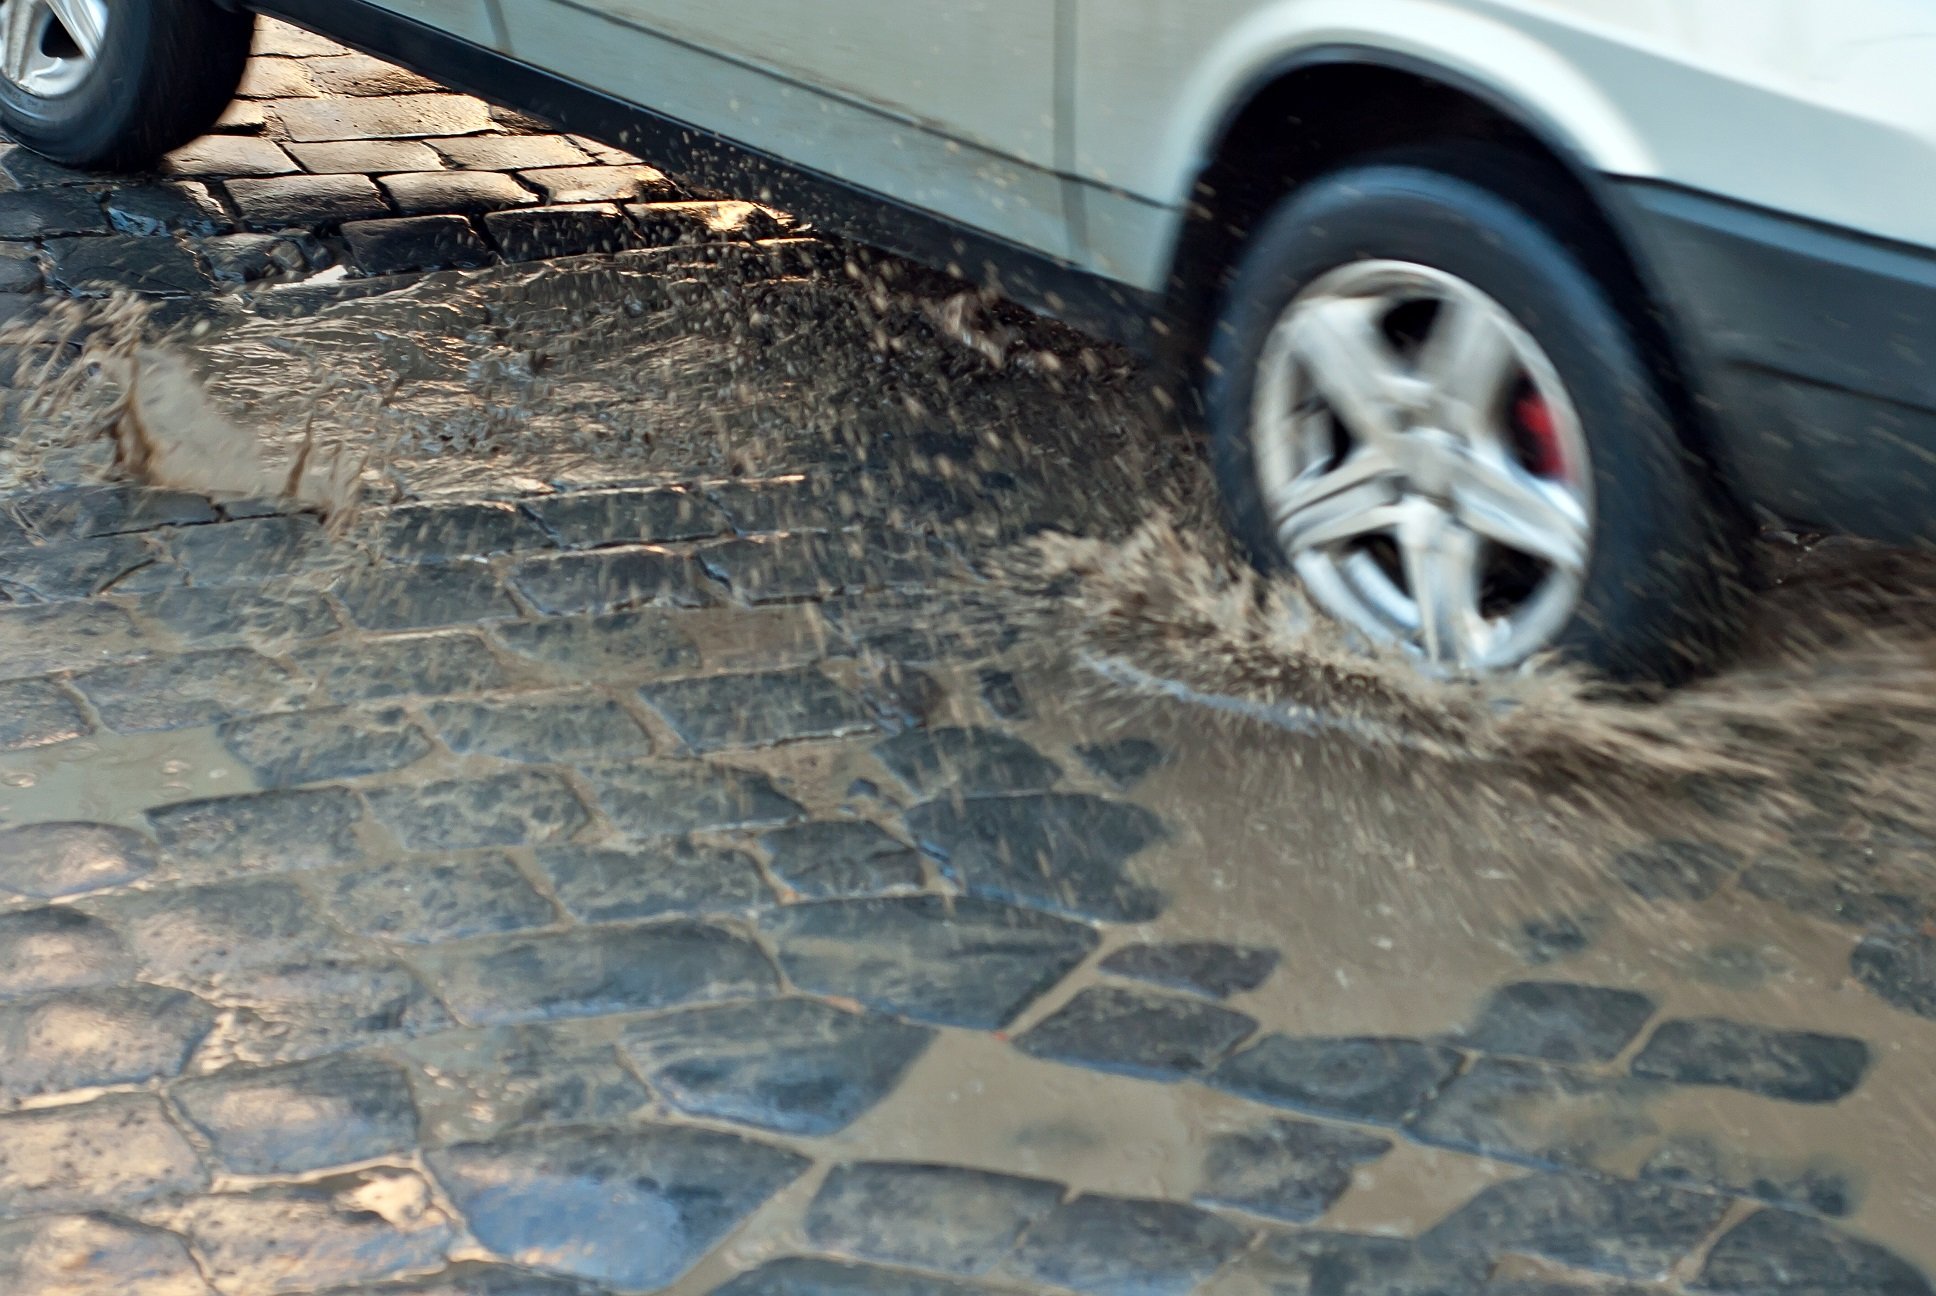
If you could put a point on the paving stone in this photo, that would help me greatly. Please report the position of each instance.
(664, 876)
(965, 962)
(230, 155)
(795, 1066)
(90, 1255)
(318, 746)
(1676, 870)
(245, 258)
(654, 799)
(280, 39)
(594, 647)
(366, 157)
(47, 213)
(1776, 1253)
(242, 117)
(1307, 1263)
(143, 265)
(69, 636)
(48, 860)
(293, 1011)
(38, 713)
(777, 569)
(443, 532)
(1201, 967)
(800, 503)
(421, 901)
(306, 201)
(1629, 1230)
(1123, 1246)
(1290, 1170)
(1698, 1162)
(354, 1228)
(387, 247)
(541, 233)
(594, 519)
(29, 170)
(601, 152)
(407, 116)
(888, 1211)
(108, 1152)
(213, 618)
(75, 569)
(1534, 1113)
(585, 973)
(1134, 1032)
(563, 186)
(1556, 937)
(256, 550)
(189, 934)
(815, 1276)
(540, 729)
(1065, 853)
(670, 224)
(510, 152)
(508, 809)
(157, 210)
(361, 75)
(721, 712)
(969, 762)
(1559, 1021)
(842, 859)
(608, 580)
(424, 597)
(1807, 888)
(1795, 1066)
(456, 193)
(61, 948)
(294, 1119)
(422, 665)
(264, 832)
(1379, 1080)
(190, 690)
(19, 268)
(1898, 966)
(1125, 762)
(471, 1279)
(636, 1208)
(479, 1084)
(276, 78)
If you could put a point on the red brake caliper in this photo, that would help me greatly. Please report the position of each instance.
(1536, 420)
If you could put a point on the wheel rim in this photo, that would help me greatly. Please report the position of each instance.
(1425, 470)
(49, 47)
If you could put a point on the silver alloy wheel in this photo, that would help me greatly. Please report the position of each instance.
(1424, 469)
(49, 47)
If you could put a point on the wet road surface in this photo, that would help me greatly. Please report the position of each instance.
(645, 835)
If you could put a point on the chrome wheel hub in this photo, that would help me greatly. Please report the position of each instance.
(1424, 469)
(49, 47)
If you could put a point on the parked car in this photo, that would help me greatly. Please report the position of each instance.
(1505, 315)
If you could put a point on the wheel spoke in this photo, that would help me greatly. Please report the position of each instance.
(1508, 505)
(1352, 365)
(18, 39)
(84, 21)
(1441, 560)
(1468, 359)
(1318, 488)
(1349, 512)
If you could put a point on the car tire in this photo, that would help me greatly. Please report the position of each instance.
(1656, 597)
(162, 75)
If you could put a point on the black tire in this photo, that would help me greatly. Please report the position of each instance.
(1663, 583)
(166, 72)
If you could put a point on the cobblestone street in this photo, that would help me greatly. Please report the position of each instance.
(644, 859)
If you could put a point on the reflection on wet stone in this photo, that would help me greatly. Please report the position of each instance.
(540, 728)
(964, 962)
(1676, 870)
(649, 800)
(1200, 967)
(1384, 1081)
(181, 934)
(1120, 1246)
(794, 1066)
(238, 615)
(292, 1011)
(424, 597)
(426, 665)
(319, 746)
(889, 1211)
(1538, 1113)
(595, 519)
(419, 901)
(287, 1120)
(1133, 1032)
(607, 581)
(436, 533)
(48, 860)
(590, 972)
(255, 551)
(967, 762)
(88, 1038)
(1065, 853)
(663, 876)
(842, 859)
(1630, 1230)
(1900, 967)
(475, 1085)
(187, 691)
(1785, 1254)
(108, 1152)
(1795, 1066)
(76, 570)
(726, 711)
(37, 714)
(1558, 1021)
(88, 1255)
(509, 809)
(1290, 1170)
(58, 949)
(597, 647)
(267, 832)
(635, 1209)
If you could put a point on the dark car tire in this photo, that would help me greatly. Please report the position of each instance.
(166, 71)
(1663, 584)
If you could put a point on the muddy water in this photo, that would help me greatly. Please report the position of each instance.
(1395, 839)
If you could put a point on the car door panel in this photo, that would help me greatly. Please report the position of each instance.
(473, 20)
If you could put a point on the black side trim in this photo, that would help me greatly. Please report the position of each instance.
(710, 161)
(1819, 356)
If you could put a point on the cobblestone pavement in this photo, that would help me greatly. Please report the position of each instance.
(566, 886)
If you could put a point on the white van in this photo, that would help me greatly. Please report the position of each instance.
(1505, 315)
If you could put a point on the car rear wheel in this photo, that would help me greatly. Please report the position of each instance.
(114, 84)
(1428, 409)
